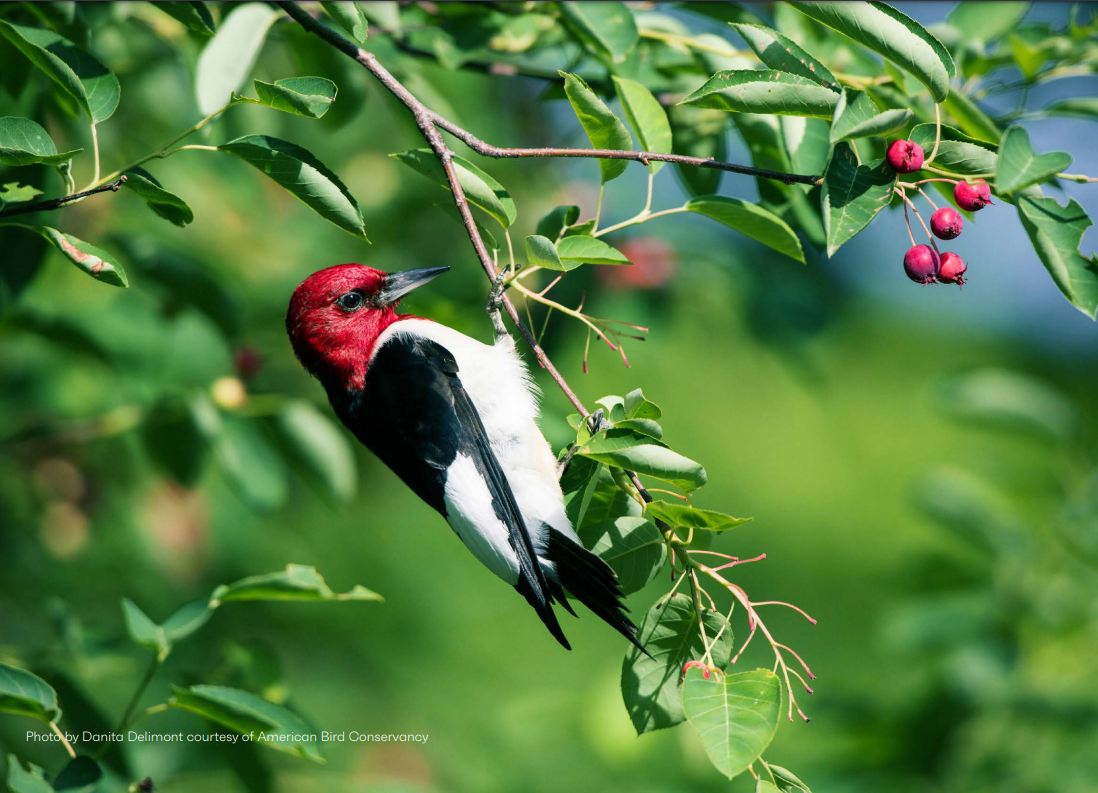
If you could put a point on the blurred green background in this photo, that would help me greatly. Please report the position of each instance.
(921, 464)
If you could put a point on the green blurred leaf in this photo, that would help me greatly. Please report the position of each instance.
(765, 786)
(957, 151)
(808, 143)
(187, 619)
(636, 452)
(854, 195)
(24, 142)
(195, 16)
(632, 546)
(637, 406)
(646, 116)
(31, 779)
(168, 205)
(787, 781)
(766, 91)
(94, 88)
(350, 18)
(1019, 166)
(735, 715)
(1009, 400)
(228, 57)
(306, 177)
(246, 713)
(296, 582)
(250, 464)
(687, 517)
(698, 132)
(1084, 107)
(302, 96)
(650, 686)
(1077, 522)
(80, 775)
(481, 189)
(894, 35)
(26, 694)
(15, 193)
(176, 434)
(970, 118)
(603, 128)
(144, 631)
(857, 116)
(556, 220)
(574, 251)
(752, 220)
(779, 52)
(607, 28)
(541, 252)
(1029, 58)
(986, 21)
(971, 510)
(319, 447)
(96, 262)
(1056, 233)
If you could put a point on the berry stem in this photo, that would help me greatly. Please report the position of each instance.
(920, 217)
(924, 181)
(924, 195)
(907, 220)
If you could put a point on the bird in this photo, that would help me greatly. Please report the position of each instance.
(456, 420)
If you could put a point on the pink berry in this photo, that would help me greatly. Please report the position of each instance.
(921, 264)
(951, 269)
(905, 156)
(972, 197)
(946, 223)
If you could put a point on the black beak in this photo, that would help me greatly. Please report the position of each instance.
(397, 285)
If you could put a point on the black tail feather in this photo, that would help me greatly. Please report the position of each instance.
(544, 610)
(592, 582)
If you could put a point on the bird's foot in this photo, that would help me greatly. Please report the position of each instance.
(596, 423)
(495, 301)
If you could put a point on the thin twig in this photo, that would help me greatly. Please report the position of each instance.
(57, 203)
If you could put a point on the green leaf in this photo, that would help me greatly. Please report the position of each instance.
(632, 546)
(320, 447)
(808, 143)
(644, 426)
(306, 177)
(765, 786)
(637, 406)
(195, 16)
(647, 118)
(81, 775)
(556, 220)
(583, 229)
(452, 211)
(176, 434)
(607, 28)
(296, 582)
(1030, 58)
(735, 715)
(1056, 233)
(857, 116)
(766, 91)
(228, 57)
(31, 779)
(957, 151)
(854, 195)
(249, 714)
(787, 781)
(350, 18)
(752, 220)
(95, 262)
(779, 52)
(144, 631)
(250, 464)
(579, 483)
(303, 96)
(15, 193)
(970, 118)
(77, 73)
(699, 132)
(896, 36)
(683, 516)
(1019, 166)
(650, 686)
(986, 21)
(636, 452)
(574, 251)
(1011, 401)
(1084, 107)
(187, 619)
(168, 205)
(541, 252)
(481, 189)
(26, 694)
(24, 142)
(603, 128)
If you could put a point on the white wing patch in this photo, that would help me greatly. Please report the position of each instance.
(469, 511)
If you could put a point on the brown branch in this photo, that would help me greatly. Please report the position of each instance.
(57, 203)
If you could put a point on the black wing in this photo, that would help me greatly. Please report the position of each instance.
(416, 416)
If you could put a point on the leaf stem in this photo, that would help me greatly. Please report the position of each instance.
(937, 132)
(64, 741)
(1078, 177)
(642, 217)
(95, 156)
(154, 666)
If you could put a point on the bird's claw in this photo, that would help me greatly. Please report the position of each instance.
(495, 301)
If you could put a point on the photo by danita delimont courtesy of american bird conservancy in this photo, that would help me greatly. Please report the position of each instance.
(539, 396)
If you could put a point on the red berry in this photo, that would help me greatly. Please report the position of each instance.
(905, 156)
(946, 223)
(972, 197)
(921, 264)
(951, 269)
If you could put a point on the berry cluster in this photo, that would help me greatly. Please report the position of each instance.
(925, 264)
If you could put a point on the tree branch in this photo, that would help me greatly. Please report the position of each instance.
(56, 203)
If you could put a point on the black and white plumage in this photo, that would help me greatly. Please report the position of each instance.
(456, 420)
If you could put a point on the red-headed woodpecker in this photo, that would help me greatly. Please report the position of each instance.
(455, 419)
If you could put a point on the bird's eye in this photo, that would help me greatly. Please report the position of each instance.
(350, 301)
